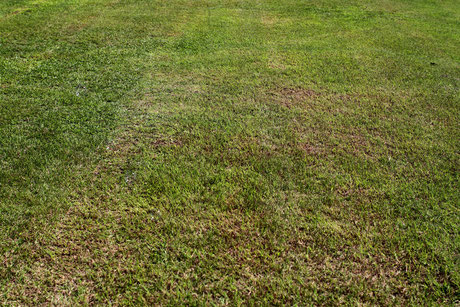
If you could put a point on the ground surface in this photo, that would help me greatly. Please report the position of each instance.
(264, 152)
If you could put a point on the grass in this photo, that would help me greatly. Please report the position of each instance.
(229, 152)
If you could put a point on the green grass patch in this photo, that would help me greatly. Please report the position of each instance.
(238, 152)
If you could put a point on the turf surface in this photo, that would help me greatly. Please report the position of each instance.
(229, 152)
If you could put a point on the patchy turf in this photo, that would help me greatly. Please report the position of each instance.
(229, 152)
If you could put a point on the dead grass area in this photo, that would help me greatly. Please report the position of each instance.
(269, 20)
(292, 97)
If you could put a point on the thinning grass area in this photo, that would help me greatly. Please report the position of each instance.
(237, 152)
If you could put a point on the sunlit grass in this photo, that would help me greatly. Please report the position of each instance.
(238, 152)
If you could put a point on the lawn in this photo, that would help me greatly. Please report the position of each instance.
(265, 152)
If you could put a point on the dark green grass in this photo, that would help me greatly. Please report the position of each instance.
(237, 152)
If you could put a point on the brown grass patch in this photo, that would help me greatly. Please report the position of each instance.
(268, 20)
(312, 150)
(291, 97)
(16, 12)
